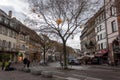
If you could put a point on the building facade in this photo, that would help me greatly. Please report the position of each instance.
(107, 31)
(17, 41)
(8, 39)
(101, 36)
(112, 28)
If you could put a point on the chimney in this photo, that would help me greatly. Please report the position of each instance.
(10, 14)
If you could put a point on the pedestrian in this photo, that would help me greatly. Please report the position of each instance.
(8, 66)
(25, 61)
(3, 64)
(28, 63)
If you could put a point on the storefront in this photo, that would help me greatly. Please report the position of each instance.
(7, 55)
(116, 52)
(102, 57)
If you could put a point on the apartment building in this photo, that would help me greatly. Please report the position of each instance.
(107, 30)
(8, 33)
(101, 37)
(17, 41)
(83, 39)
(91, 39)
(28, 43)
(88, 41)
(111, 27)
(34, 46)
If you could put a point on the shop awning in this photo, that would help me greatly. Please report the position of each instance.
(101, 53)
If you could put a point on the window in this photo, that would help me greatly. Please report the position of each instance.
(3, 30)
(6, 31)
(112, 10)
(23, 47)
(98, 46)
(14, 46)
(114, 28)
(103, 16)
(100, 36)
(9, 44)
(100, 27)
(11, 24)
(104, 45)
(1, 19)
(6, 21)
(97, 29)
(4, 43)
(101, 45)
(0, 29)
(104, 35)
(15, 35)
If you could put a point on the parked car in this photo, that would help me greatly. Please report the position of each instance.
(74, 62)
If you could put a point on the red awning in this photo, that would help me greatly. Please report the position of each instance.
(101, 52)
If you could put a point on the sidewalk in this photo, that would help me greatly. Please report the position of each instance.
(84, 67)
(77, 67)
(108, 67)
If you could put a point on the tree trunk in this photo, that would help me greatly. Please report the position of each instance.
(65, 55)
(44, 55)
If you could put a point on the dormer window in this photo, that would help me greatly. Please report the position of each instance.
(1, 19)
(6, 21)
(11, 24)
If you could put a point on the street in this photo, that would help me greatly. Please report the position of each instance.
(92, 71)
(60, 40)
(82, 72)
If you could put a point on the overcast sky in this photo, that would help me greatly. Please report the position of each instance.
(20, 10)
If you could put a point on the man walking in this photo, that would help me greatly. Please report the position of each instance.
(25, 61)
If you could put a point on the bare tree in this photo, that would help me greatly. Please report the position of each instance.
(46, 44)
(62, 17)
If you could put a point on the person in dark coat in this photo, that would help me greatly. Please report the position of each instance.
(28, 63)
(25, 61)
(8, 66)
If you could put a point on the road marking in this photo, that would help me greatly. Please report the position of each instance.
(78, 75)
(86, 78)
(71, 78)
(59, 77)
(91, 78)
